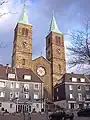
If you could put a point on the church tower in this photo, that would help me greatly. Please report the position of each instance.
(22, 44)
(55, 51)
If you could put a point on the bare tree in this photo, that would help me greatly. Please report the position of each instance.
(2, 2)
(79, 49)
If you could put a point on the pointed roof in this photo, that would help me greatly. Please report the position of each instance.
(24, 17)
(53, 26)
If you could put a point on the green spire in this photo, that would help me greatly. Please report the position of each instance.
(53, 26)
(24, 18)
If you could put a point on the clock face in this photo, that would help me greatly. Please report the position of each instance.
(24, 44)
(58, 51)
(41, 71)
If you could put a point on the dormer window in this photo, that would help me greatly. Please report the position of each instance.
(11, 76)
(82, 79)
(27, 77)
(74, 79)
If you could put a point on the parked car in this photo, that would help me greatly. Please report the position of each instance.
(61, 115)
(84, 112)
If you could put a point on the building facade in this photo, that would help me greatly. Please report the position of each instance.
(49, 69)
(20, 90)
(73, 91)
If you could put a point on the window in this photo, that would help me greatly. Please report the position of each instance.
(59, 67)
(37, 105)
(2, 94)
(87, 96)
(62, 40)
(0, 104)
(11, 105)
(71, 105)
(36, 95)
(70, 87)
(26, 32)
(11, 95)
(79, 96)
(74, 79)
(57, 89)
(27, 77)
(82, 79)
(48, 41)
(26, 86)
(71, 96)
(11, 76)
(58, 40)
(23, 31)
(17, 85)
(79, 87)
(48, 53)
(57, 98)
(36, 86)
(23, 61)
(87, 88)
(2, 84)
(12, 85)
(27, 95)
(16, 94)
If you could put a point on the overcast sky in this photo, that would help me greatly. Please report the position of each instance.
(69, 15)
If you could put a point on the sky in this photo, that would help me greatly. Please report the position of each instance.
(69, 14)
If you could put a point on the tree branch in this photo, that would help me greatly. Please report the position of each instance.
(3, 2)
(79, 50)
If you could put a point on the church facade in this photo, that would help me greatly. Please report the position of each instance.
(49, 68)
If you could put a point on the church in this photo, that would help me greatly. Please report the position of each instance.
(50, 68)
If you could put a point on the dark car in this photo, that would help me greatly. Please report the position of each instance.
(84, 112)
(61, 115)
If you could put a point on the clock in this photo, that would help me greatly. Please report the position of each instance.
(24, 44)
(41, 71)
(58, 51)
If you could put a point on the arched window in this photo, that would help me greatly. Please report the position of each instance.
(23, 31)
(48, 41)
(48, 53)
(23, 61)
(59, 67)
(26, 32)
(58, 41)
